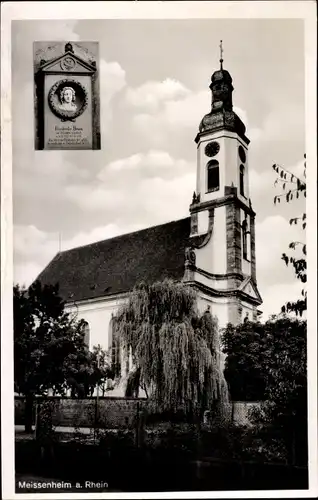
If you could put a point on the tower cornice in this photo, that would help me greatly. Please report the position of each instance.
(213, 292)
(222, 120)
(219, 202)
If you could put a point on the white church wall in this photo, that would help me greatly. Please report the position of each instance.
(218, 308)
(232, 166)
(233, 163)
(246, 266)
(98, 315)
(203, 159)
(203, 221)
(246, 196)
(211, 258)
(247, 310)
(210, 282)
(229, 164)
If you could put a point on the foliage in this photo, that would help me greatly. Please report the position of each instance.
(271, 362)
(117, 440)
(173, 348)
(246, 349)
(293, 187)
(181, 439)
(285, 411)
(45, 429)
(49, 347)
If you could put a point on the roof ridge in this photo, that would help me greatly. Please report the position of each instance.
(116, 264)
(122, 235)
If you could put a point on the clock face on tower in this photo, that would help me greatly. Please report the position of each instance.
(212, 149)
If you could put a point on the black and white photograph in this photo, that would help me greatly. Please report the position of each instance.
(156, 232)
(66, 95)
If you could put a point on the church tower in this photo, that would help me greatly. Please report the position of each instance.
(220, 260)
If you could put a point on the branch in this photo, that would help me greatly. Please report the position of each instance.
(295, 220)
(284, 180)
(276, 167)
(289, 195)
(294, 243)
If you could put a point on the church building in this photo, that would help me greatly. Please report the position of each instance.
(213, 249)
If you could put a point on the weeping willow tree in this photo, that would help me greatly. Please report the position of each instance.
(174, 350)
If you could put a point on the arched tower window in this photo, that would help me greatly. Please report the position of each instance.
(114, 346)
(242, 180)
(86, 334)
(213, 176)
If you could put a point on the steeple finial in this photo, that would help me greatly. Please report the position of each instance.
(69, 47)
(221, 54)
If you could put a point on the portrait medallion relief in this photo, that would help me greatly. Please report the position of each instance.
(68, 99)
(212, 149)
(66, 95)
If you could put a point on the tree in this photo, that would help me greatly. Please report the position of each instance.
(293, 187)
(49, 347)
(174, 349)
(277, 355)
(245, 370)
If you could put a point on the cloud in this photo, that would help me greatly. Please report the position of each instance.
(145, 172)
(94, 197)
(34, 249)
(112, 81)
(158, 187)
(263, 190)
(284, 123)
(45, 30)
(275, 296)
(273, 236)
(173, 119)
(253, 133)
(153, 163)
(43, 176)
(276, 281)
(152, 94)
(178, 114)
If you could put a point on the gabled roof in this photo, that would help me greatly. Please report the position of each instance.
(117, 264)
(52, 64)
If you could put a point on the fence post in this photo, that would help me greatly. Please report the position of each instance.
(95, 420)
(37, 420)
(137, 426)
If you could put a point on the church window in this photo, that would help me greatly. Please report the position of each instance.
(242, 154)
(242, 180)
(86, 334)
(213, 176)
(114, 346)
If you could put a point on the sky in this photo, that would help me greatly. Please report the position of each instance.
(154, 91)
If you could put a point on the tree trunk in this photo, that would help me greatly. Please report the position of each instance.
(28, 414)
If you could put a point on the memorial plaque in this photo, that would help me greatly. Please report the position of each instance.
(67, 114)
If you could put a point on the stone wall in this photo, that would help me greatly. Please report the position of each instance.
(240, 411)
(111, 412)
(253, 258)
(19, 410)
(233, 239)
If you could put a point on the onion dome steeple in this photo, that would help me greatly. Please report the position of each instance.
(222, 115)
